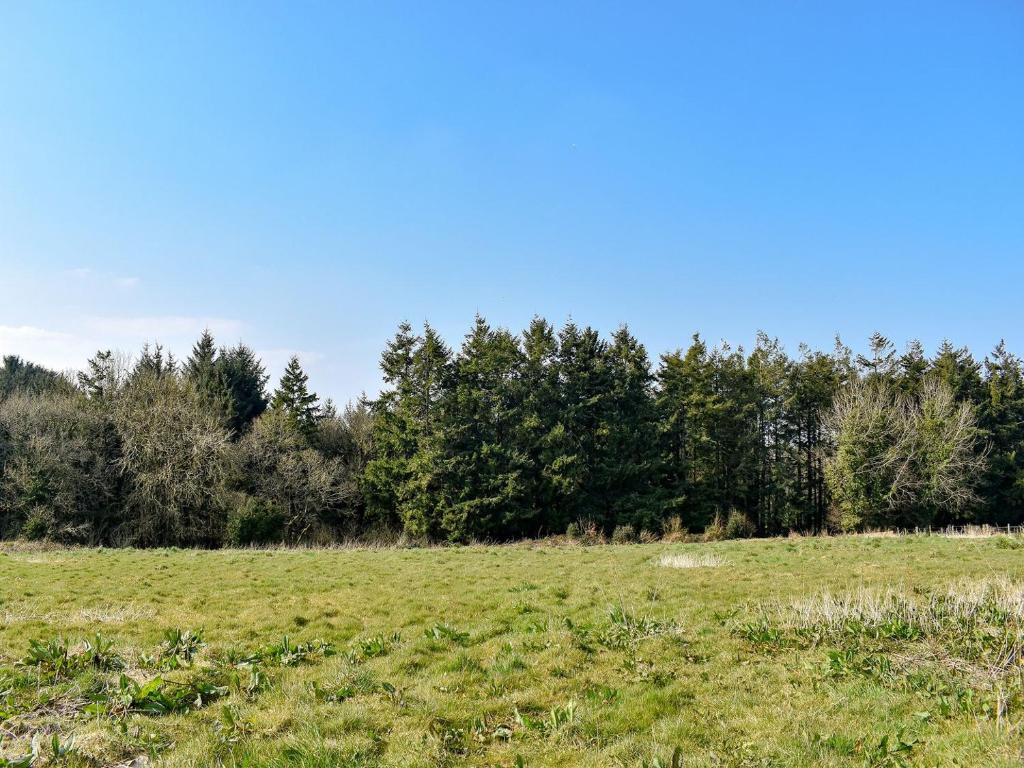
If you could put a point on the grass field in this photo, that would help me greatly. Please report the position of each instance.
(719, 654)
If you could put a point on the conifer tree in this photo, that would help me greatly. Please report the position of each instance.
(101, 377)
(1002, 418)
(881, 363)
(482, 464)
(153, 363)
(293, 398)
(244, 380)
(202, 370)
(912, 367)
(583, 391)
(539, 431)
(395, 431)
(627, 458)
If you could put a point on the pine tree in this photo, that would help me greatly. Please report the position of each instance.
(101, 377)
(583, 391)
(882, 362)
(483, 468)
(243, 379)
(153, 363)
(395, 431)
(539, 427)
(627, 462)
(201, 369)
(293, 398)
(1002, 418)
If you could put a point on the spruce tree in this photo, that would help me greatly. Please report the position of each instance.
(395, 431)
(201, 369)
(483, 467)
(293, 398)
(539, 428)
(625, 477)
(423, 498)
(243, 379)
(1002, 418)
(101, 377)
(882, 362)
(583, 392)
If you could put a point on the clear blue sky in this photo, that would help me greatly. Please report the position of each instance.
(304, 176)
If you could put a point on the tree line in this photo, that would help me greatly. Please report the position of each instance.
(510, 436)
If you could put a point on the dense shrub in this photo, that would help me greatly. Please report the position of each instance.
(739, 526)
(38, 525)
(715, 530)
(585, 532)
(174, 457)
(59, 456)
(275, 462)
(623, 534)
(254, 521)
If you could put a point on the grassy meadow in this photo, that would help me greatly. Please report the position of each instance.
(850, 651)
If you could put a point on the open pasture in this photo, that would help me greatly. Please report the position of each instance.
(849, 651)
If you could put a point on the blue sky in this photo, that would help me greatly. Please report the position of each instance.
(304, 176)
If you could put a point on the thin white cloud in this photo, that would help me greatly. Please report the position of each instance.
(54, 349)
(20, 334)
(64, 350)
(126, 282)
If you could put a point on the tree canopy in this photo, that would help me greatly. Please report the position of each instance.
(510, 435)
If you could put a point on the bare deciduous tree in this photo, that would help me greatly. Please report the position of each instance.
(897, 460)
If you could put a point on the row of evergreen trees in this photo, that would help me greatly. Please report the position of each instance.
(505, 437)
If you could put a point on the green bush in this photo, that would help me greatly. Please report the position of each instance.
(585, 532)
(715, 530)
(739, 526)
(37, 525)
(255, 521)
(623, 534)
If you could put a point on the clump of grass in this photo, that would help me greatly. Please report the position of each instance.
(372, 647)
(703, 560)
(161, 697)
(179, 648)
(626, 628)
(962, 643)
(56, 658)
(289, 654)
(446, 632)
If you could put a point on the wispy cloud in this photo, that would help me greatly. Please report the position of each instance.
(66, 349)
(54, 349)
(126, 282)
(18, 334)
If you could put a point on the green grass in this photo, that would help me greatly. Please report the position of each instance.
(498, 656)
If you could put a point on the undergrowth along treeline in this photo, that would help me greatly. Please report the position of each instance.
(511, 436)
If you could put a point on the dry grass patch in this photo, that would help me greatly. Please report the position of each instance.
(703, 560)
